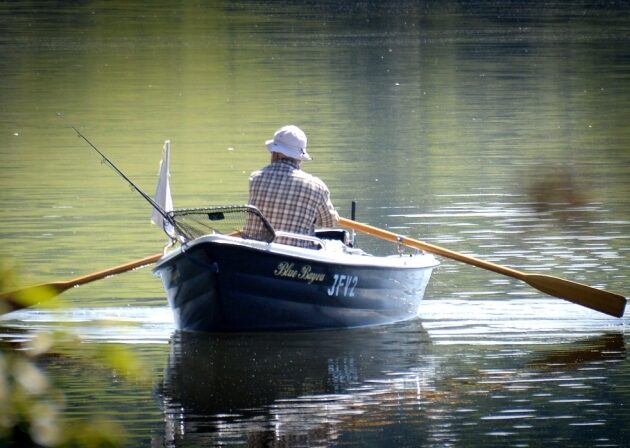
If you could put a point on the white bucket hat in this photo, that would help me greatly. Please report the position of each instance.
(290, 141)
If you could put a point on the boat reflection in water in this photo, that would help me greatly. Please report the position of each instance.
(368, 387)
(288, 389)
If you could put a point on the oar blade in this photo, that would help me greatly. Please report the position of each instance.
(593, 298)
(596, 299)
(32, 295)
(29, 296)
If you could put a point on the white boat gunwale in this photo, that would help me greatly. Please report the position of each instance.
(333, 257)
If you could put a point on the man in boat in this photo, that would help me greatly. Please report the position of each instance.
(291, 199)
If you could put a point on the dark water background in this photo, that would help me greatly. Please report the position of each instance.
(498, 129)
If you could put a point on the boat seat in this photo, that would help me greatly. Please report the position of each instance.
(334, 234)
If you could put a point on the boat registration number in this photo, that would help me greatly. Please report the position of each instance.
(343, 285)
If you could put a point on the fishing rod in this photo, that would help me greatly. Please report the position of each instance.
(106, 160)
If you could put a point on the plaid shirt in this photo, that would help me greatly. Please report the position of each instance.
(291, 199)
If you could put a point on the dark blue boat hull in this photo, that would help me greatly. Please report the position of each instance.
(218, 287)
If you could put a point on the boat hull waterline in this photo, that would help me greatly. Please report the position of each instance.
(219, 283)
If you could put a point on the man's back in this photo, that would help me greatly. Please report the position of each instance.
(291, 199)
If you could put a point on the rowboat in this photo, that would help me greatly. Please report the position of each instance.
(220, 280)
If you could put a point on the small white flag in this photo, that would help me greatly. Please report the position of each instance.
(163, 192)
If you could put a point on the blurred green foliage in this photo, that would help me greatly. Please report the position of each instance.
(32, 407)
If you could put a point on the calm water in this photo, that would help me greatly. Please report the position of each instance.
(499, 130)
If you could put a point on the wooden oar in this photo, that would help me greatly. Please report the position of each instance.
(32, 295)
(593, 298)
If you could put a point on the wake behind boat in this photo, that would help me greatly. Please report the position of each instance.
(219, 281)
